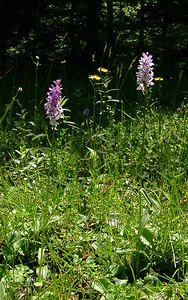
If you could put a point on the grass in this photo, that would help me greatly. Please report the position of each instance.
(100, 215)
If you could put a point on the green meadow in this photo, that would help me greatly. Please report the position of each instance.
(97, 209)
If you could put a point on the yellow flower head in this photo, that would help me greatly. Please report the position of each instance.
(103, 70)
(94, 77)
(158, 79)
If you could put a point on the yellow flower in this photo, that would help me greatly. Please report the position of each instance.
(94, 77)
(158, 79)
(103, 70)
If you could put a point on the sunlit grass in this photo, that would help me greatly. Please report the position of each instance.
(102, 214)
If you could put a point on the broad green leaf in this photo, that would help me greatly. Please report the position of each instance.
(2, 291)
(103, 286)
(148, 235)
(41, 252)
(42, 272)
(38, 283)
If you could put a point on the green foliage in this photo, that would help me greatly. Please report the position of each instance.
(80, 31)
(101, 214)
(97, 210)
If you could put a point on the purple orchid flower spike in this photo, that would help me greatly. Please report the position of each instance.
(145, 75)
(52, 106)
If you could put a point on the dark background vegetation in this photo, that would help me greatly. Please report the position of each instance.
(74, 37)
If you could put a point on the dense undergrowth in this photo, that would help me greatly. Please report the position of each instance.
(96, 210)
(101, 214)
